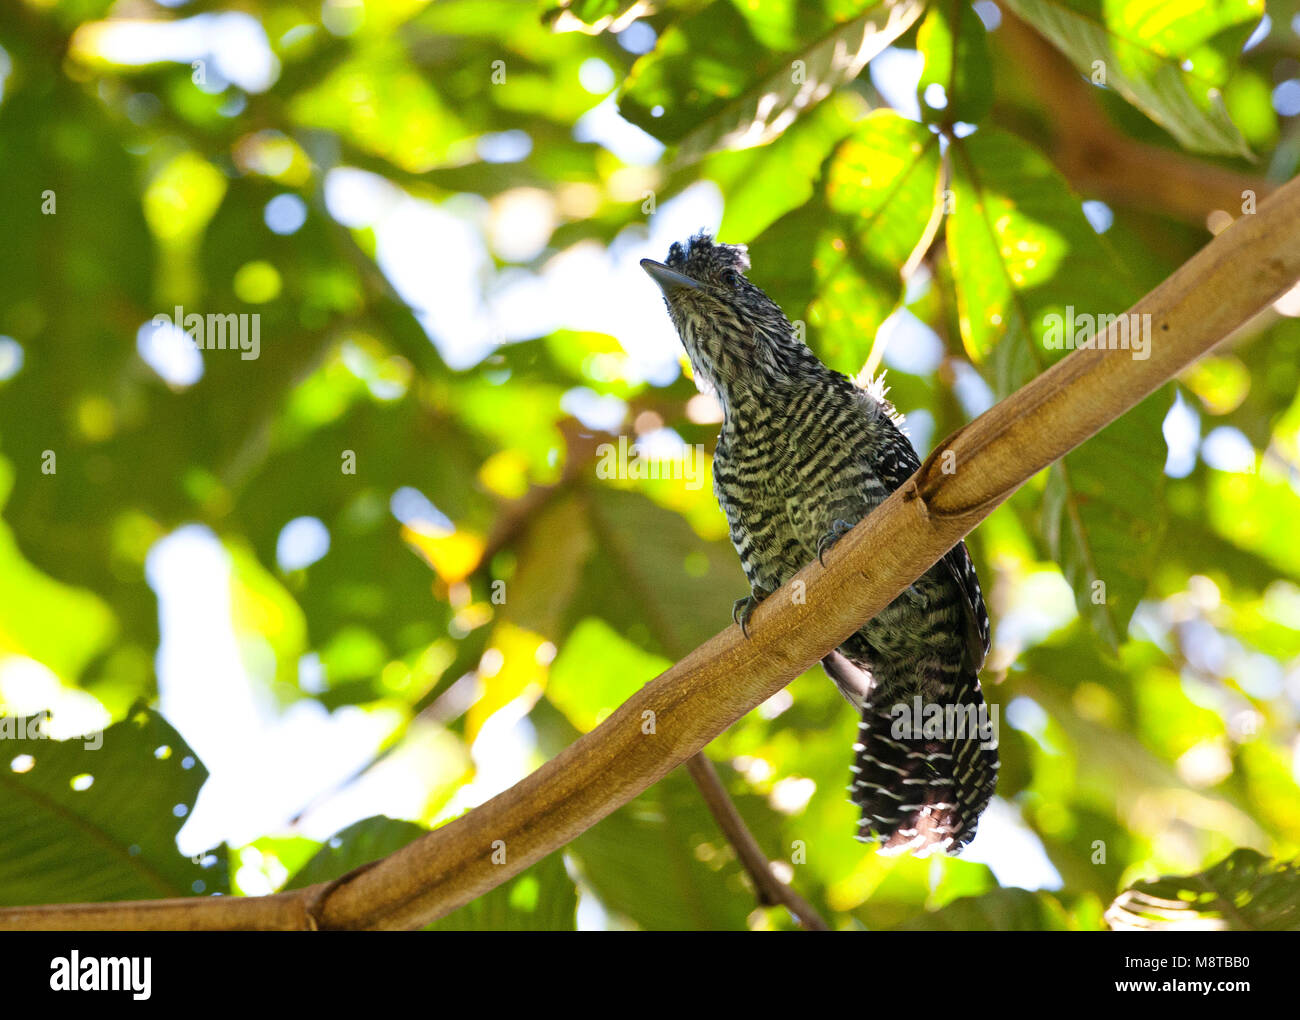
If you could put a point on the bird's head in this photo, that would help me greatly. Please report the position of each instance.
(737, 338)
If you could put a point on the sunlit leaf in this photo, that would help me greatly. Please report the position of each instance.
(837, 262)
(1033, 282)
(96, 818)
(661, 862)
(957, 64)
(711, 84)
(769, 108)
(359, 844)
(999, 910)
(1244, 892)
(596, 672)
(1169, 61)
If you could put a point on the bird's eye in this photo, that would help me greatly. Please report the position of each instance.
(731, 278)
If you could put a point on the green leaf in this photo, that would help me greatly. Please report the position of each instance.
(597, 671)
(1102, 516)
(666, 595)
(838, 259)
(662, 862)
(1030, 272)
(883, 180)
(542, 898)
(1169, 60)
(263, 613)
(589, 12)
(59, 626)
(1108, 763)
(66, 839)
(998, 910)
(1256, 512)
(763, 184)
(756, 95)
(698, 66)
(1192, 546)
(360, 843)
(769, 108)
(385, 106)
(1021, 250)
(550, 563)
(1245, 891)
(952, 38)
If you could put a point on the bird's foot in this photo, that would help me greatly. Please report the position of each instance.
(744, 609)
(838, 530)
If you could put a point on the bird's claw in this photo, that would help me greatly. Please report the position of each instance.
(838, 530)
(742, 611)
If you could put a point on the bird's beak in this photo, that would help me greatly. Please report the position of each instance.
(668, 279)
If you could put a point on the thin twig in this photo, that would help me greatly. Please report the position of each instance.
(770, 889)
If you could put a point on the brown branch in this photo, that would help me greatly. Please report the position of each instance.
(771, 890)
(1238, 274)
(278, 912)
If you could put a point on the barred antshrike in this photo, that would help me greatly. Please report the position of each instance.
(803, 455)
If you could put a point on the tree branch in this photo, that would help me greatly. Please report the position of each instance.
(1236, 276)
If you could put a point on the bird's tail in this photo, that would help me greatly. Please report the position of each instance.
(924, 772)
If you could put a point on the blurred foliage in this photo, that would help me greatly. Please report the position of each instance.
(481, 568)
(1244, 892)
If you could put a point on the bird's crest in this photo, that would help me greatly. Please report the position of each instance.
(702, 258)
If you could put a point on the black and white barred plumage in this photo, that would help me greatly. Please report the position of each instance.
(804, 454)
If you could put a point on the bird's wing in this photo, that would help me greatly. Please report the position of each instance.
(898, 463)
(896, 460)
(958, 561)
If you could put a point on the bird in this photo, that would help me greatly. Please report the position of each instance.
(803, 454)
